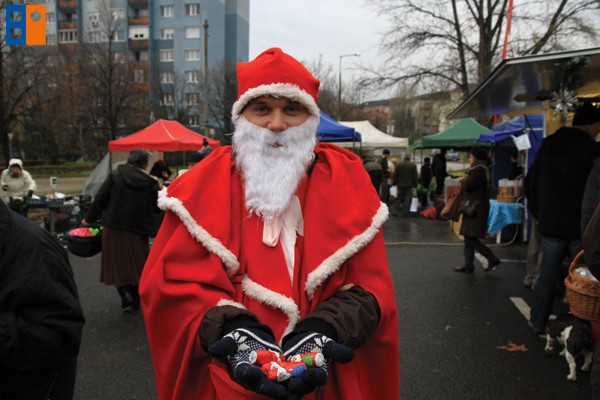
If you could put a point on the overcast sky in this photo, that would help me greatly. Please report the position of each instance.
(308, 28)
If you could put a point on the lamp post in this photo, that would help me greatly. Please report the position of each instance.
(340, 83)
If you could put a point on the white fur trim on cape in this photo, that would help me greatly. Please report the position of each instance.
(228, 302)
(332, 263)
(286, 90)
(211, 243)
(273, 299)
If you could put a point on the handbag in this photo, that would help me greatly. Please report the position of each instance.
(414, 204)
(450, 210)
(468, 208)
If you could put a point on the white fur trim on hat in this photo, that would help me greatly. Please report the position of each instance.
(286, 90)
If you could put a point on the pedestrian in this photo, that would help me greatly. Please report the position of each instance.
(438, 168)
(384, 189)
(425, 177)
(205, 150)
(126, 204)
(41, 316)
(17, 185)
(161, 172)
(273, 243)
(374, 170)
(406, 178)
(555, 188)
(475, 188)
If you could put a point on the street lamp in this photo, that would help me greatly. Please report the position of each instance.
(340, 83)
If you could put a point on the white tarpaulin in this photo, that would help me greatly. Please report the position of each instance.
(373, 137)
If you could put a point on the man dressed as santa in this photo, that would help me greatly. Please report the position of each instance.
(272, 247)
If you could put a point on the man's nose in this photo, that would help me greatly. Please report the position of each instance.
(278, 122)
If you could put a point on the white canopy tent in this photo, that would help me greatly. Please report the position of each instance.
(373, 137)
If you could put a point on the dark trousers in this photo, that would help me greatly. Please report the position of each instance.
(472, 244)
(554, 251)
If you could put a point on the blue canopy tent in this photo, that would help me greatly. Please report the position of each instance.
(329, 130)
(532, 124)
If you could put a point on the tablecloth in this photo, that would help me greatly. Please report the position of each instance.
(503, 214)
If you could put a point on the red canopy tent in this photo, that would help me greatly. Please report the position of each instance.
(163, 135)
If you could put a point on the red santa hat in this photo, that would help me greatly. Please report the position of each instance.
(278, 74)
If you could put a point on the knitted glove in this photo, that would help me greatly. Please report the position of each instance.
(312, 342)
(236, 347)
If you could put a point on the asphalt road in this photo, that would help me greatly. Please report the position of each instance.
(452, 328)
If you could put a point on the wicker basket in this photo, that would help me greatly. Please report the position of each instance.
(583, 293)
(84, 246)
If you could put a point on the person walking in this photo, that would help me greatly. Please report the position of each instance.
(126, 204)
(374, 170)
(425, 177)
(475, 188)
(384, 189)
(555, 188)
(439, 170)
(406, 178)
(259, 252)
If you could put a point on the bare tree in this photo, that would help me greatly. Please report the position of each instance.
(455, 43)
(222, 93)
(111, 93)
(21, 71)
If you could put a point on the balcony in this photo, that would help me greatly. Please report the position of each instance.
(139, 21)
(138, 3)
(67, 24)
(138, 44)
(67, 5)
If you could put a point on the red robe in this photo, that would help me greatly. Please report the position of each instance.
(209, 252)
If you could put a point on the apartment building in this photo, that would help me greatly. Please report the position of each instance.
(167, 43)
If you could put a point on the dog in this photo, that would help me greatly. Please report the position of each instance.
(576, 336)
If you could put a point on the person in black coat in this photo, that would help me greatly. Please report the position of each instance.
(41, 319)
(127, 205)
(554, 187)
(475, 187)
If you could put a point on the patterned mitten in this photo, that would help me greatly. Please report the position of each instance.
(312, 342)
(236, 348)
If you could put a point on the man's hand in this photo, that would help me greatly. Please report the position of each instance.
(312, 342)
(236, 347)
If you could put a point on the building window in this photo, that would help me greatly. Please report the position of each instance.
(138, 75)
(167, 77)
(166, 11)
(117, 36)
(68, 36)
(50, 18)
(168, 99)
(192, 9)
(194, 120)
(167, 55)
(167, 33)
(192, 33)
(192, 76)
(192, 54)
(119, 57)
(117, 13)
(138, 32)
(50, 39)
(192, 99)
(94, 36)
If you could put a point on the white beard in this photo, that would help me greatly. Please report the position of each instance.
(272, 173)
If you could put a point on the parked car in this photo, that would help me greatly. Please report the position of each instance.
(452, 155)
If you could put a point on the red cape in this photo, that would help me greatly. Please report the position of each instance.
(209, 252)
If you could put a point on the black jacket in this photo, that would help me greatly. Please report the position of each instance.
(591, 195)
(556, 181)
(126, 200)
(475, 187)
(41, 318)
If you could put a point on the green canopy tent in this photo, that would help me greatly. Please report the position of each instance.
(463, 133)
